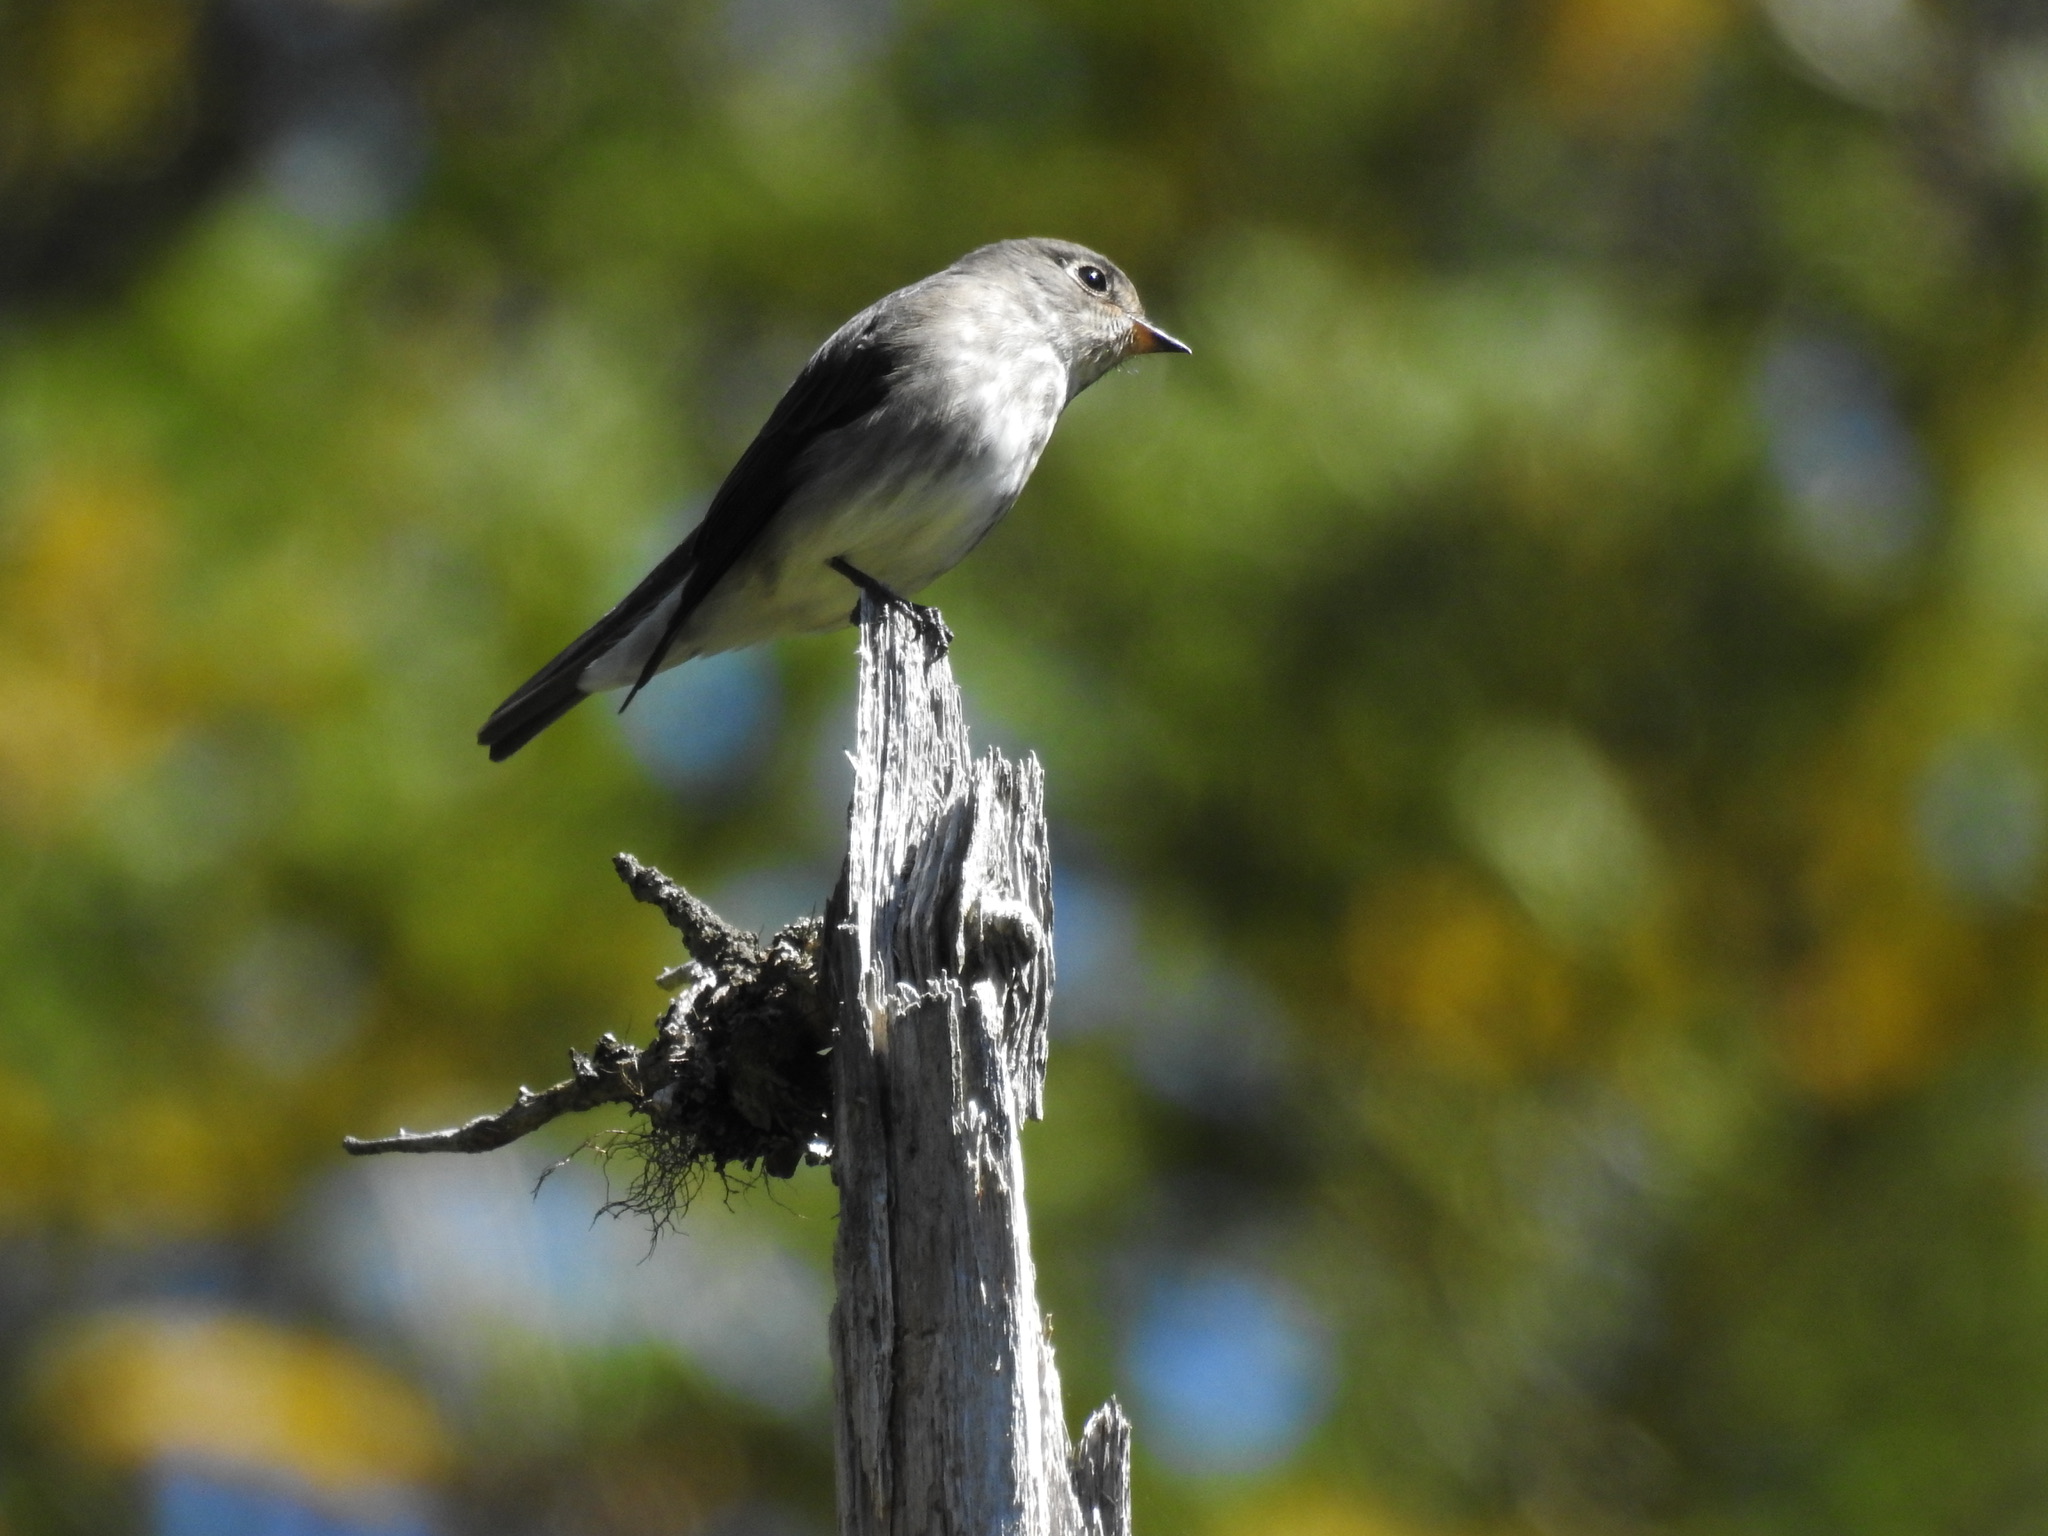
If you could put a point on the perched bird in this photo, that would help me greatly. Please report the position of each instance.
(905, 438)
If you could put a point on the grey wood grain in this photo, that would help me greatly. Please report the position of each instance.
(939, 953)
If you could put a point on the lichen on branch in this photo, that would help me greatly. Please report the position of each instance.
(737, 1075)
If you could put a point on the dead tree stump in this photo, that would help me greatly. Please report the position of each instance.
(939, 957)
(929, 988)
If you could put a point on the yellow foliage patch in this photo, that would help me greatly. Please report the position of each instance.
(1627, 61)
(132, 1389)
(1444, 963)
(79, 586)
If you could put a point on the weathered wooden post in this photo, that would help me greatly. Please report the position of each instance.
(939, 956)
(930, 982)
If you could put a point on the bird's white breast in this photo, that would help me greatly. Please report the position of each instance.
(903, 497)
(905, 507)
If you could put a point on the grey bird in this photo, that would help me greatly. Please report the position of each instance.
(903, 441)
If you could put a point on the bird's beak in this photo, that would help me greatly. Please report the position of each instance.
(1146, 337)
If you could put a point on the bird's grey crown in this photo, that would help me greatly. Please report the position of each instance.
(1023, 294)
(1052, 264)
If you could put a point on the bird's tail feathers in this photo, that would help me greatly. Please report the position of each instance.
(557, 687)
(528, 712)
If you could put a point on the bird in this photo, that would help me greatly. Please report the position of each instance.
(902, 442)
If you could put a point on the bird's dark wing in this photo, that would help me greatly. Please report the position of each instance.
(845, 379)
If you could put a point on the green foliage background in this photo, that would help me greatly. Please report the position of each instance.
(1483, 650)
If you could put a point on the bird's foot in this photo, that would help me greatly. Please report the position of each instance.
(936, 633)
(931, 628)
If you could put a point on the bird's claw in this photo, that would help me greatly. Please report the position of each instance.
(931, 628)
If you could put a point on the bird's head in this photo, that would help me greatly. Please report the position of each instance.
(1090, 308)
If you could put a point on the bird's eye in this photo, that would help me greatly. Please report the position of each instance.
(1093, 278)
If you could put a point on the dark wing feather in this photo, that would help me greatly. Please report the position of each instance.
(845, 379)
